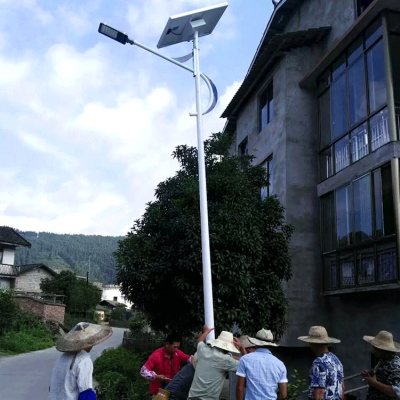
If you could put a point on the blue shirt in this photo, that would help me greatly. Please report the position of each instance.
(263, 372)
(327, 373)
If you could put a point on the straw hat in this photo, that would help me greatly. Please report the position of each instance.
(245, 341)
(318, 334)
(83, 335)
(384, 341)
(224, 342)
(263, 338)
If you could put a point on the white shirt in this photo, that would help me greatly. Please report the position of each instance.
(67, 383)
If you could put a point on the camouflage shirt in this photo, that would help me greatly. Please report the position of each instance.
(388, 372)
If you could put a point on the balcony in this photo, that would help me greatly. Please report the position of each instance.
(9, 270)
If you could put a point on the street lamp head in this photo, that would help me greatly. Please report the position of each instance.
(113, 34)
(181, 27)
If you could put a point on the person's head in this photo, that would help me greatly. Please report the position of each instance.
(383, 344)
(172, 344)
(318, 340)
(250, 347)
(264, 339)
(83, 336)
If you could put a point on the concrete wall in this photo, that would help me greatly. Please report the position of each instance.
(30, 280)
(44, 309)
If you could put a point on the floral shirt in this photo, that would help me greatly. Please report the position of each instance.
(388, 372)
(327, 373)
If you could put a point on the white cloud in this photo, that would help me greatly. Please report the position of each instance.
(39, 144)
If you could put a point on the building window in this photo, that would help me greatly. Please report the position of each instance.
(266, 108)
(352, 103)
(362, 5)
(243, 149)
(115, 298)
(358, 232)
(269, 167)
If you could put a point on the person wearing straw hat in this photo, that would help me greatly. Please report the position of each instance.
(213, 362)
(71, 378)
(326, 374)
(250, 347)
(261, 372)
(384, 380)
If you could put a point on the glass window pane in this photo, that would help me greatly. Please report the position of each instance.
(365, 266)
(357, 95)
(263, 111)
(387, 263)
(271, 110)
(343, 212)
(338, 67)
(342, 154)
(388, 203)
(359, 142)
(325, 118)
(376, 76)
(380, 129)
(330, 266)
(378, 203)
(339, 107)
(373, 33)
(347, 270)
(355, 50)
(328, 222)
(326, 163)
(362, 209)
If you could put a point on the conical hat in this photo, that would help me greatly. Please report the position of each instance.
(83, 335)
(384, 341)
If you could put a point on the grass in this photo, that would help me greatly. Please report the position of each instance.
(28, 339)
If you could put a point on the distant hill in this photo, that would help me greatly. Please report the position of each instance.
(71, 252)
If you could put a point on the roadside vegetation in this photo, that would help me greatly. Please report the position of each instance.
(21, 331)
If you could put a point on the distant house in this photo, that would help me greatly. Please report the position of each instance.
(30, 277)
(112, 293)
(9, 240)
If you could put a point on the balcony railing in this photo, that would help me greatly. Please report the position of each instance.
(9, 270)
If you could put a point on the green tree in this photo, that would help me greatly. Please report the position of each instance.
(79, 296)
(159, 262)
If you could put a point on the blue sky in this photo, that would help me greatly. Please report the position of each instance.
(87, 125)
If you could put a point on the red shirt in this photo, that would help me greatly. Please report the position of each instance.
(161, 364)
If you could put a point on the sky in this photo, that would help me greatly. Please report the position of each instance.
(87, 125)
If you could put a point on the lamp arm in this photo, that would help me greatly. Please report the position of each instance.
(211, 87)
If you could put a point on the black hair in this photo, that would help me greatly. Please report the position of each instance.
(172, 338)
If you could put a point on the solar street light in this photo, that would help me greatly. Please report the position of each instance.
(183, 28)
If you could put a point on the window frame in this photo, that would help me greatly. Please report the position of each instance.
(355, 248)
(328, 75)
(267, 90)
(243, 147)
(266, 164)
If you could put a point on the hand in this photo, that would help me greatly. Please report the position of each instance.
(160, 378)
(207, 330)
(370, 380)
(365, 372)
(238, 343)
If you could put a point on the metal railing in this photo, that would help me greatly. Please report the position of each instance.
(9, 270)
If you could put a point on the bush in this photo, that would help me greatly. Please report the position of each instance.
(27, 333)
(118, 313)
(295, 389)
(8, 311)
(138, 323)
(117, 372)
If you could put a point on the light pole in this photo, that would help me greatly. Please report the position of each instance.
(182, 28)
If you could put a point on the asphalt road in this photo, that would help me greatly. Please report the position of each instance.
(27, 376)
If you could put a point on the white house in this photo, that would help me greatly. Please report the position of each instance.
(9, 240)
(113, 293)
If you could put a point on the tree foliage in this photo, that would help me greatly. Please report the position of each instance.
(79, 296)
(160, 264)
(71, 252)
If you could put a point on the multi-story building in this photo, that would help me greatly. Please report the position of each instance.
(319, 108)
